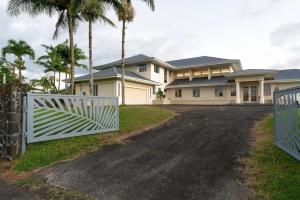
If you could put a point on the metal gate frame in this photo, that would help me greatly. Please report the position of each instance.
(50, 116)
(286, 108)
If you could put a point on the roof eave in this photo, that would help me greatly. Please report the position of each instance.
(198, 85)
(210, 64)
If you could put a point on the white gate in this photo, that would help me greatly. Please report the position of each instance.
(50, 117)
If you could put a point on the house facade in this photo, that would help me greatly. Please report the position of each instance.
(200, 80)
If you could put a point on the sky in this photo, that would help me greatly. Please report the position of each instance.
(261, 33)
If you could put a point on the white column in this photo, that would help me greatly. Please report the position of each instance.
(238, 92)
(191, 75)
(262, 91)
(209, 73)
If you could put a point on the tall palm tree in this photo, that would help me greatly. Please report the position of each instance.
(67, 10)
(92, 11)
(125, 12)
(18, 49)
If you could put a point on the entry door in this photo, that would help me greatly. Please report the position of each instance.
(250, 94)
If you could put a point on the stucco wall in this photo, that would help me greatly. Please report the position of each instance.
(207, 96)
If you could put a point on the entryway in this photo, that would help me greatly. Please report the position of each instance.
(250, 94)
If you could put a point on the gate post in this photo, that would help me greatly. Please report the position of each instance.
(11, 119)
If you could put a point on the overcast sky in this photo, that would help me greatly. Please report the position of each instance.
(262, 33)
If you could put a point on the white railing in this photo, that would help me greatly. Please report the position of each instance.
(50, 117)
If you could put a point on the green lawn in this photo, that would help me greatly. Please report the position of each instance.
(45, 153)
(272, 173)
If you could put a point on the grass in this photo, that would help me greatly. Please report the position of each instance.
(272, 173)
(45, 153)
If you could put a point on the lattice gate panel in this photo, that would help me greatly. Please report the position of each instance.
(52, 117)
(286, 120)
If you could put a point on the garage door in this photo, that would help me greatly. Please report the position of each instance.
(134, 96)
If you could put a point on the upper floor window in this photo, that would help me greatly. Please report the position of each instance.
(216, 71)
(178, 93)
(233, 91)
(219, 91)
(142, 68)
(156, 69)
(165, 75)
(267, 89)
(225, 71)
(196, 92)
(183, 74)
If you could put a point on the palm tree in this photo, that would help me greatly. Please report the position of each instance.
(67, 10)
(52, 62)
(92, 11)
(125, 12)
(18, 49)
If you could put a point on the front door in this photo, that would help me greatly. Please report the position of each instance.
(249, 94)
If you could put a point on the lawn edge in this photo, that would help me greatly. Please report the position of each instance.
(251, 172)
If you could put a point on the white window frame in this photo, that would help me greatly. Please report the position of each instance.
(233, 88)
(156, 69)
(196, 92)
(178, 93)
(143, 67)
(219, 90)
(266, 87)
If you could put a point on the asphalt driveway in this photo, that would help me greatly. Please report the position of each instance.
(194, 157)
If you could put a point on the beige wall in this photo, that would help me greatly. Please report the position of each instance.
(136, 93)
(207, 96)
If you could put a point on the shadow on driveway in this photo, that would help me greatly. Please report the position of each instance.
(195, 157)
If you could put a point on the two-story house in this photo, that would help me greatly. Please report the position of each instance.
(201, 80)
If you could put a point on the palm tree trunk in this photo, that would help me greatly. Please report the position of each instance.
(20, 69)
(58, 82)
(91, 58)
(66, 84)
(54, 81)
(123, 61)
(70, 25)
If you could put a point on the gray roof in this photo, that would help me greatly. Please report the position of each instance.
(200, 81)
(111, 72)
(174, 64)
(199, 61)
(288, 74)
(252, 72)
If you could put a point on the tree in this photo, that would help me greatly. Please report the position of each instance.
(57, 59)
(125, 12)
(67, 12)
(92, 11)
(52, 62)
(18, 49)
(7, 74)
(44, 84)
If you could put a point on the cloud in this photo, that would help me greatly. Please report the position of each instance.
(286, 35)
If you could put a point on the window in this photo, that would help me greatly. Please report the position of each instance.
(119, 89)
(267, 89)
(216, 71)
(219, 91)
(196, 92)
(142, 68)
(154, 90)
(156, 69)
(225, 71)
(183, 74)
(95, 90)
(165, 75)
(233, 91)
(178, 93)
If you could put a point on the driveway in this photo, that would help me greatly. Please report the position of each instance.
(194, 157)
